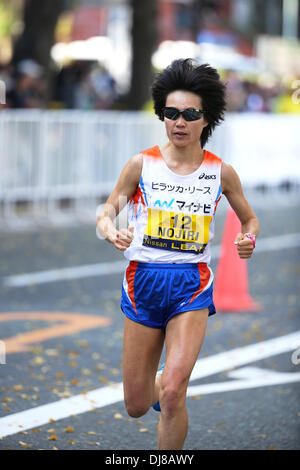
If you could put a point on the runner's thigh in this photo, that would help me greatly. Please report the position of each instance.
(142, 349)
(185, 333)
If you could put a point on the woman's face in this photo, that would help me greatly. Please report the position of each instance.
(180, 132)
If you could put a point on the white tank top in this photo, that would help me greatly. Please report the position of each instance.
(172, 214)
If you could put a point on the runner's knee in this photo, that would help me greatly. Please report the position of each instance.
(136, 409)
(136, 402)
(172, 395)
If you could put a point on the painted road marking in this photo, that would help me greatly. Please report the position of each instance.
(247, 377)
(281, 242)
(244, 355)
(76, 272)
(67, 324)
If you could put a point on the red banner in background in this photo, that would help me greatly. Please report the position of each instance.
(88, 22)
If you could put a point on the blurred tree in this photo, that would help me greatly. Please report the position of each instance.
(37, 37)
(144, 41)
(36, 40)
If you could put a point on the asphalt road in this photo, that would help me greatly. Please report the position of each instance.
(264, 416)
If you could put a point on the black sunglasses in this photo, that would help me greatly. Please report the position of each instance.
(189, 114)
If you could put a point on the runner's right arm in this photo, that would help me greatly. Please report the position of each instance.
(123, 191)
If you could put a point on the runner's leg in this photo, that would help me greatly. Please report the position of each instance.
(142, 348)
(184, 337)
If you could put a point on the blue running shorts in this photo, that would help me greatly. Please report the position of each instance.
(153, 293)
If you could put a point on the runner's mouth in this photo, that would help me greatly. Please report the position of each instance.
(180, 134)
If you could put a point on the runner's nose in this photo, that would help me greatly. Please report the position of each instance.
(180, 122)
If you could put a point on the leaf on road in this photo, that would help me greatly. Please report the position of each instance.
(23, 444)
(69, 429)
(38, 360)
(18, 387)
(60, 375)
(103, 380)
(51, 352)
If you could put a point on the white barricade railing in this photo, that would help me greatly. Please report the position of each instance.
(49, 156)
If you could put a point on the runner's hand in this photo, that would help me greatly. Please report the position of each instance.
(244, 246)
(123, 238)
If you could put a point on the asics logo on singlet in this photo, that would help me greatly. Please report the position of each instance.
(164, 203)
(207, 177)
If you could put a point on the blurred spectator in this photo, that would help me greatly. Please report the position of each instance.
(96, 90)
(6, 77)
(256, 98)
(66, 81)
(85, 85)
(88, 85)
(28, 89)
(236, 93)
(245, 95)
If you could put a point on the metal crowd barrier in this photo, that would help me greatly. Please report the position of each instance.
(58, 164)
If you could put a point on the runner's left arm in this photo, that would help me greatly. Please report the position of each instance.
(233, 191)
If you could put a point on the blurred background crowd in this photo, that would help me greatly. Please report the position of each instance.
(100, 54)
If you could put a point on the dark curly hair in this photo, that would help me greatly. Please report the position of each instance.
(202, 80)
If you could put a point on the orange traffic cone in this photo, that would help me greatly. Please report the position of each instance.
(231, 283)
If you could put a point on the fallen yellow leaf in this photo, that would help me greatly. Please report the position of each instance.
(73, 354)
(23, 444)
(8, 399)
(18, 387)
(51, 352)
(38, 360)
(60, 375)
(24, 396)
(69, 429)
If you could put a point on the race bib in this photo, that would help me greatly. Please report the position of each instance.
(176, 231)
